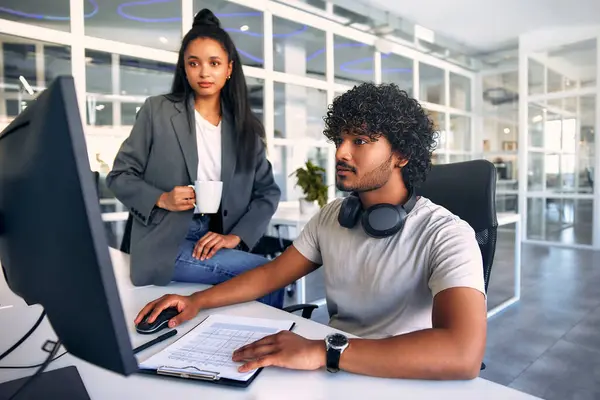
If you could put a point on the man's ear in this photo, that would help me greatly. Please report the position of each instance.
(400, 162)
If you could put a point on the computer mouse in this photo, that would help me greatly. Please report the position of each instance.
(159, 323)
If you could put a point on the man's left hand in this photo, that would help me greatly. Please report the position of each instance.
(284, 349)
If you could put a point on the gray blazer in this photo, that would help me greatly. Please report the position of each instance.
(161, 153)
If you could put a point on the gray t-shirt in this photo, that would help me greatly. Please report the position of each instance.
(378, 288)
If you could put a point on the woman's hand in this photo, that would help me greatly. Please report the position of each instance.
(211, 243)
(181, 198)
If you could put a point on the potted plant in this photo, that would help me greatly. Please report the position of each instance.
(311, 179)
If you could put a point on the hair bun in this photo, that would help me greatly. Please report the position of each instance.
(205, 17)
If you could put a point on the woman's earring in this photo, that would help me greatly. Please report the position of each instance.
(228, 77)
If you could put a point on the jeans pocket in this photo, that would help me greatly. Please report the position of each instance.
(197, 229)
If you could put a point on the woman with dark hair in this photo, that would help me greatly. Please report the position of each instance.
(203, 130)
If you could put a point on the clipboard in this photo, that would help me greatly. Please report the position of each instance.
(204, 374)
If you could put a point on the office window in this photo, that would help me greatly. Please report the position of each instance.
(459, 134)
(27, 65)
(399, 70)
(298, 49)
(54, 14)
(155, 24)
(299, 112)
(115, 99)
(256, 95)
(354, 61)
(431, 81)
(460, 92)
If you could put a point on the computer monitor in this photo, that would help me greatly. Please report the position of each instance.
(53, 247)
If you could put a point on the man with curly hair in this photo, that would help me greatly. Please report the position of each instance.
(407, 280)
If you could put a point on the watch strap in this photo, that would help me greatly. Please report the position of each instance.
(333, 359)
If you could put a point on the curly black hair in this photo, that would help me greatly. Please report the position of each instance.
(386, 110)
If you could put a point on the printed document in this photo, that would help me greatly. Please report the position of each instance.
(208, 347)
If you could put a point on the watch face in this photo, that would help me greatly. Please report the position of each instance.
(337, 340)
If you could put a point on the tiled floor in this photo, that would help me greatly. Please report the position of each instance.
(548, 344)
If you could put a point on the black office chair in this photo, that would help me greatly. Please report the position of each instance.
(271, 247)
(126, 240)
(468, 190)
(110, 235)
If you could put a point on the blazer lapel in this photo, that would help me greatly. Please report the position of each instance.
(228, 147)
(182, 122)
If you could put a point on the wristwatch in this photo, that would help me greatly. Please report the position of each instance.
(335, 344)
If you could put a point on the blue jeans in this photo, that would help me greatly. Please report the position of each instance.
(223, 265)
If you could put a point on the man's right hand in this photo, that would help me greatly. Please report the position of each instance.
(181, 198)
(184, 304)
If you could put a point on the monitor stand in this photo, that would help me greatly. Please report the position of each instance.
(62, 383)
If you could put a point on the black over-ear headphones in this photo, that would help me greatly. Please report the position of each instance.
(378, 221)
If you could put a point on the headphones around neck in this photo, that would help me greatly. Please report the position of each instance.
(378, 221)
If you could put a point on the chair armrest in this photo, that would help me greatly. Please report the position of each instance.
(307, 309)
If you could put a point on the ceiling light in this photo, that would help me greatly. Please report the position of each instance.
(244, 28)
(100, 107)
(537, 118)
(506, 130)
(163, 39)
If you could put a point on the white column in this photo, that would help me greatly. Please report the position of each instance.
(450, 134)
(477, 120)
(187, 16)
(578, 126)
(269, 92)
(2, 98)
(296, 103)
(78, 54)
(330, 75)
(416, 84)
(377, 67)
(116, 88)
(522, 140)
(40, 68)
(596, 221)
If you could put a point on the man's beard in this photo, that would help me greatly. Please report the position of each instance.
(371, 181)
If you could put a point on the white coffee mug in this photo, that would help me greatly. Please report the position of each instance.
(208, 196)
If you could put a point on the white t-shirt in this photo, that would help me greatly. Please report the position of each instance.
(208, 139)
(378, 288)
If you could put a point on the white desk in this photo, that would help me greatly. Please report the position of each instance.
(288, 214)
(115, 216)
(272, 383)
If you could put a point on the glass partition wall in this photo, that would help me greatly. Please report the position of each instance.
(560, 151)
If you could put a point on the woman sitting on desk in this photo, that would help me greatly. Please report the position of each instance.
(202, 131)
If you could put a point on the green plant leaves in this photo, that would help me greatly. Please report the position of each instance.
(311, 180)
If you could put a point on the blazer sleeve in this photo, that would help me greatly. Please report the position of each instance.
(264, 201)
(126, 178)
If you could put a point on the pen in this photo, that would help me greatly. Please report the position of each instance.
(154, 341)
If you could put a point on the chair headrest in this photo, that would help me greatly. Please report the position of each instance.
(467, 189)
